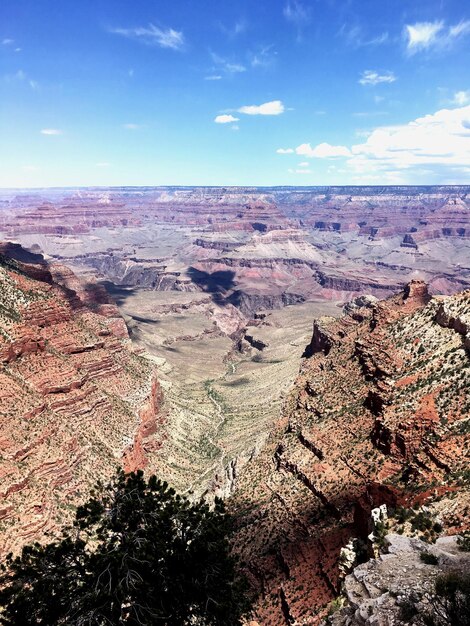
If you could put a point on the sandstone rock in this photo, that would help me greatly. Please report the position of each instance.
(74, 397)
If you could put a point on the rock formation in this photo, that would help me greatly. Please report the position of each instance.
(376, 590)
(75, 400)
(379, 415)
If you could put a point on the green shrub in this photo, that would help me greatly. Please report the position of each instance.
(428, 558)
(138, 554)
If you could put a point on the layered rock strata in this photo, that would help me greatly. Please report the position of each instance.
(75, 400)
(379, 415)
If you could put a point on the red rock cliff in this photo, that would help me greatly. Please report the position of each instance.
(379, 415)
(75, 400)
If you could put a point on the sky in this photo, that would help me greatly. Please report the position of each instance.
(240, 92)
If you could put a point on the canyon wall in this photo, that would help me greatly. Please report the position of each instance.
(378, 415)
(76, 401)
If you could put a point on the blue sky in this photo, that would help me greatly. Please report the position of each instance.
(205, 92)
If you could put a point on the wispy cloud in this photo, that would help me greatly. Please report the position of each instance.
(132, 126)
(275, 107)
(371, 77)
(51, 131)
(424, 36)
(461, 98)
(103, 164)
(355, 37)
(263, 57)
(299, 171)
(226, 119)
(21, 77)
(296, 12)
(236, 29)
(226, 65)
(7, 42)
(460, 29)
(153, 36)
(369, 113)
(213, 77)
(285, 151)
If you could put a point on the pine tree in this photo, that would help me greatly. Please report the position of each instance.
(137, 554)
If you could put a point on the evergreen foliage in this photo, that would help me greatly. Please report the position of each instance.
(138, 554)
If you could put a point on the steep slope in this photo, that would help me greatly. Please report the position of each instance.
(379, 415)
(75, 400)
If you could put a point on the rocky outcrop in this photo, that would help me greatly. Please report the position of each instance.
(379, 415)
(75, 400)
(322, 339)
(376, 591)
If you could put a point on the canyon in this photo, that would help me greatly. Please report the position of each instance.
(164, 328)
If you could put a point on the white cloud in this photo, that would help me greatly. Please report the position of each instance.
(435, 146)
(422, 34)
(103, 164)
(427, 35)
(285, 151)
(235, 68)
(131, 126)
(225, 119)
(268, 108)
(441, 138)
(299, 171)
(154, 36)
(322, 151)
(371, 77)
(7, 42)
(304, 164)
(213, 77)
(51, 131)
(461, 98)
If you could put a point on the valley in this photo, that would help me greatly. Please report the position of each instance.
(300, 352)
(219, 287)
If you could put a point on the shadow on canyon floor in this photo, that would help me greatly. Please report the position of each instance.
(119, 293)
(217, 284)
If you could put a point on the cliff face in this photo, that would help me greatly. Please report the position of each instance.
(75, 400)
(379, 415)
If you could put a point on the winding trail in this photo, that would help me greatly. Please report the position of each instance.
(219, 463)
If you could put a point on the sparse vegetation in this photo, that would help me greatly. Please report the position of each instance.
(447, 605)
(428, 558)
